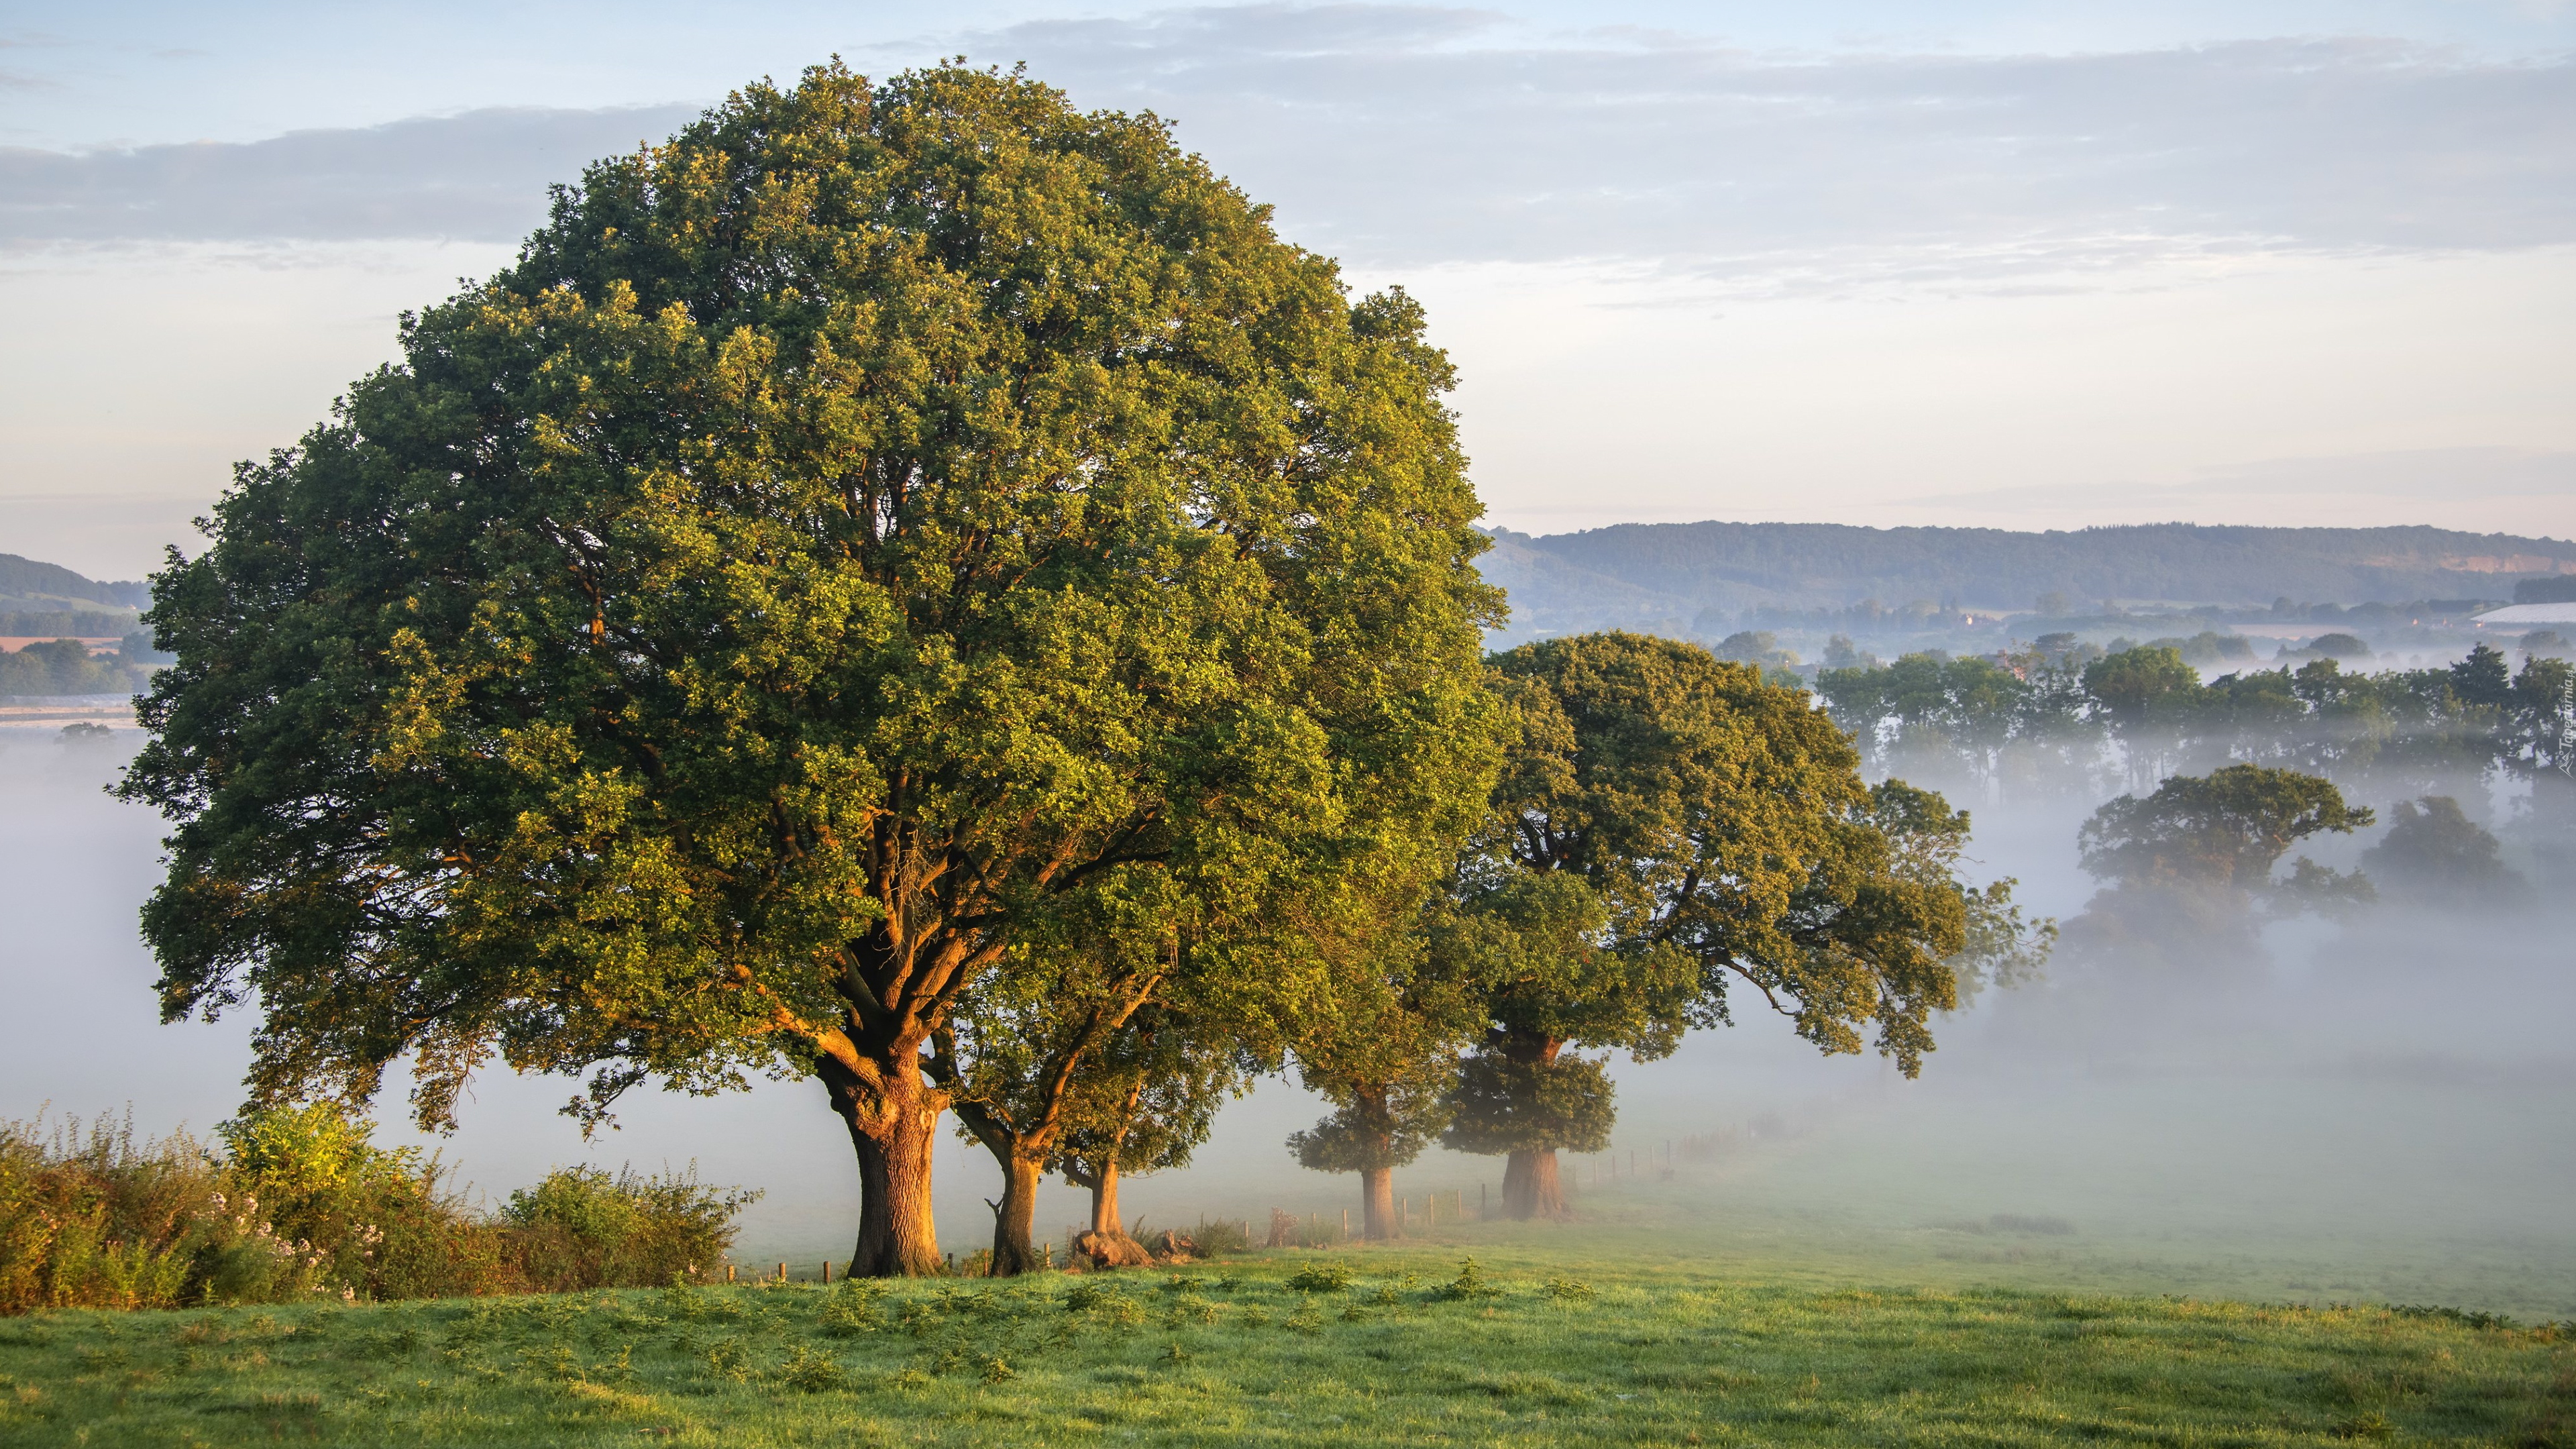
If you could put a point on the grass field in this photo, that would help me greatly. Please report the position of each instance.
(1627, 1349)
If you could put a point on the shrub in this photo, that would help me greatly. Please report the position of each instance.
(584, 1228)
(303, 1204)
(92, 1217)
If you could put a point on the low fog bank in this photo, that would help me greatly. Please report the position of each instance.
(2382, 1107)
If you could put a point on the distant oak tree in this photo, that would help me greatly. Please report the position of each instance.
(1669, 833)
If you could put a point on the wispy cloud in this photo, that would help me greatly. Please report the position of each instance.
(1412, 135)
(1407, 135)
(480, 176)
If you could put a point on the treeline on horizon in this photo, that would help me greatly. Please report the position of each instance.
(67, 667)
(2146, 712)
(2223, 776)
(1688, 567)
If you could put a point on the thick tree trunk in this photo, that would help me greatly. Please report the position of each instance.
(1531, 1188)
(892, 1132)
(1377, 1204)
(1104, 1202)
(1015, 1218)
(1107, 1243)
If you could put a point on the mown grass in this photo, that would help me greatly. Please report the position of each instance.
(1246, 1352)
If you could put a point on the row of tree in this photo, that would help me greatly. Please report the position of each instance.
(2145, 713)
(915, 587)
(66, 666)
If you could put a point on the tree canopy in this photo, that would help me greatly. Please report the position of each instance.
(2226, 829)
(2434, 854)
(1670, 830)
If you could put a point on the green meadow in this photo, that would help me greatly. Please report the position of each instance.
(1539, 1342)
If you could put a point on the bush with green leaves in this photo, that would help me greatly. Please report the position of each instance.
(584, 1227)
(300, 1204)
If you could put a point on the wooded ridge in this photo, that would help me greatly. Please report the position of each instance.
(1631, 572)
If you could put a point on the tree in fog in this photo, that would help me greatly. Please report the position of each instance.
(1553, 976)
(1926, 842)
(2483, 678)
(1383, 1049)
(2434, 854)
(2188, 866)
(1049, 1044)
(879, 530)
(1712, 833)
(1146, 1105)
(2143, 685)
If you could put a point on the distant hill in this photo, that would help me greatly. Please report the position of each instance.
(1646, 574)
(27, 585)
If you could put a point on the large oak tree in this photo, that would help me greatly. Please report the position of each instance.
(856, 538)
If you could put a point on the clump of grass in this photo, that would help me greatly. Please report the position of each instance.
(810, 1371)
(730, 1358)
(1568, 1289)
(1226, 1235)
(1544, 1388)
(1188, 1309)
(1087, 1294)
(853, 1311)
(997, 1371)
(1470, 1283)
(618, 1370)
(2371, 1425)
(1322, 1278)
(2465, 1318)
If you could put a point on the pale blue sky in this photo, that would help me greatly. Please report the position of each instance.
(2013, 264)
(133, 73)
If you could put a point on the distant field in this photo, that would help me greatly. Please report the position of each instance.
(1624, 1347)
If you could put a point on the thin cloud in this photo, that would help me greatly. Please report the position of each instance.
(1445, 141)
(1411, 135)
(480, 176)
